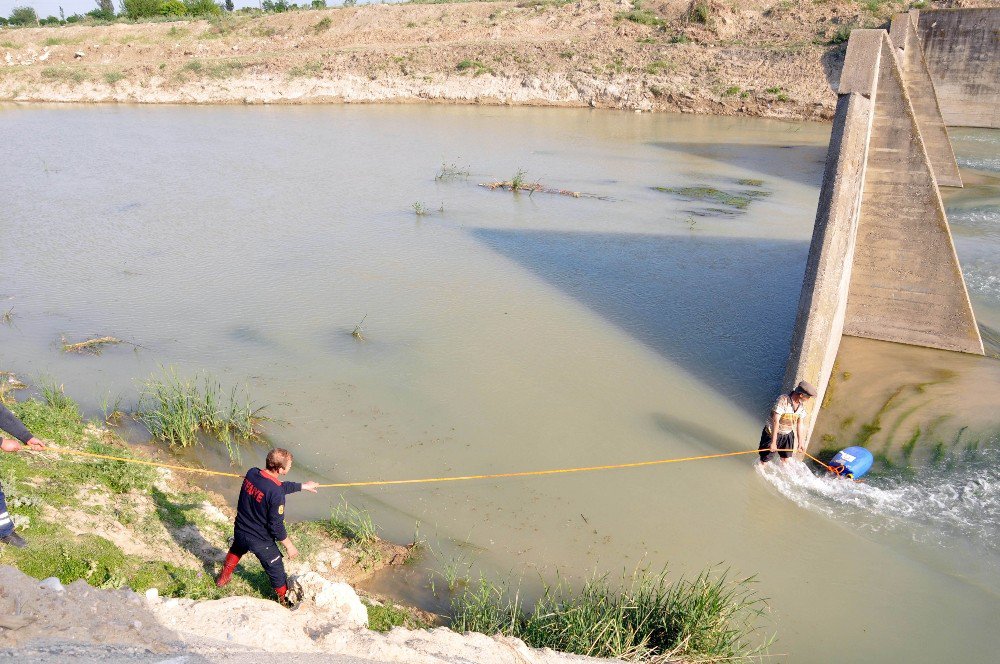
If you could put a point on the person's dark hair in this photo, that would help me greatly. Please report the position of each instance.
(278, 458)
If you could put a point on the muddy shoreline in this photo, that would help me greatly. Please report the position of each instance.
(755, 59)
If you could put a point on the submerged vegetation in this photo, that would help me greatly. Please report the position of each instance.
(91, 346)
(739, 200)
(179, 411)
(645, 618)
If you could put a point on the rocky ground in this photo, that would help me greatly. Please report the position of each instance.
(49, 622)
(753, 57)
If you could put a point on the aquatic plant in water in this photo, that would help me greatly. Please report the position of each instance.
(177, 411)
(643, 618)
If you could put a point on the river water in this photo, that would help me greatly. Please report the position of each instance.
(509, 332)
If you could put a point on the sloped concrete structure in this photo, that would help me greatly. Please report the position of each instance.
(923, 96)
(961, 47)
(882, 264)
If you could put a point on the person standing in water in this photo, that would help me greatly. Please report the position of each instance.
(783, 432)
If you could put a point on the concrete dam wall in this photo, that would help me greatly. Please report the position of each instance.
(961, 47)
(882, 264)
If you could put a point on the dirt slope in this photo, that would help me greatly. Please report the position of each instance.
(749, 57)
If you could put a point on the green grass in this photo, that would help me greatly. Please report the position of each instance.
(356, 526)
(750, 182)
(306, 69)
(739, 200)
(641, 16)
(178, 411)
(65, 74)
(383, 617)
(224, 68)
(112, 77)
(322, 25)
(644, 618)
(475, 66)
(700, 12)
(659, 66)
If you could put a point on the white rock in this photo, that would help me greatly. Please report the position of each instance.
(78, 54)
(51, 583)
(338, 600)
(152, 595)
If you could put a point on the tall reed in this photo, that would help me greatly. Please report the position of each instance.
(180, 411)
(645, 618)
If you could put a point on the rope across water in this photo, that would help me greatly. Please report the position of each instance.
(427, 480)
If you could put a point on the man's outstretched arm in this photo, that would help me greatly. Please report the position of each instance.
(16, 428)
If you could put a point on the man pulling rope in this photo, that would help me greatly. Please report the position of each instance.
(16, 428)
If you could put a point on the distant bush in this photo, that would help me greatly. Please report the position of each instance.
(49, 20)
(23, 16)
(173, 8)
(136, 9)
(4, 21)
(275, 7)
(203, 8)
(101, 14)
(319, 4)
(350, 3)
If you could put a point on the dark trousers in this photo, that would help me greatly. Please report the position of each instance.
(6, 521)
(267, 553)
(786, 441)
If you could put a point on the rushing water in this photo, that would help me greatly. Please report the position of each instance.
(511, 332)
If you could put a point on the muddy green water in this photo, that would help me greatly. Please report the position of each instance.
(511, 332)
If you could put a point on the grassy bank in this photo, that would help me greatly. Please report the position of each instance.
(642, 617)
(117, 525)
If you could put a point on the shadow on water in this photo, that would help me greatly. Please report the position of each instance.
(720, 308)
(795, 162)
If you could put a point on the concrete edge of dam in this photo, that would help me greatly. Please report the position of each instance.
(882, 263)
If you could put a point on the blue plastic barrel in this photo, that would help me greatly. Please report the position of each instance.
(853, 462)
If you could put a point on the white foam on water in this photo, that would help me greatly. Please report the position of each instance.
(983, 277)
(986, 217)
(980, 163)
(939, 505)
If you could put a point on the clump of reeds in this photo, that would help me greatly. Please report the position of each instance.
(91, 346)
(356, 526)
(359, 332)
(645, 618)
(179, 412)
(452, 171)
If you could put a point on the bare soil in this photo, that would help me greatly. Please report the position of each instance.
(753, 57)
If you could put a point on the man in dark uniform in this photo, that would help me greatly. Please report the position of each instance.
(15, 427)
(260, 521)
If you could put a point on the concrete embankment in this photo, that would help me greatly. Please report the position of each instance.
(962, 48)
(882, 264)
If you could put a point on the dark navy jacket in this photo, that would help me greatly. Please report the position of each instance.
(260, 511)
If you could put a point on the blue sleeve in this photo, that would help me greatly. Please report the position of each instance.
(291, 487)
(276, 519)
(15, 427)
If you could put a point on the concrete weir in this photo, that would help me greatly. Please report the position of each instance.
(882, 264)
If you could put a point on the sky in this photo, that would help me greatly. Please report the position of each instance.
(51, 7)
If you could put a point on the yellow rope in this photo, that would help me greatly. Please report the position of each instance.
(526, 473)
(141, 462)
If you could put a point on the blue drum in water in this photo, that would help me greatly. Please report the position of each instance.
(853, 462)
